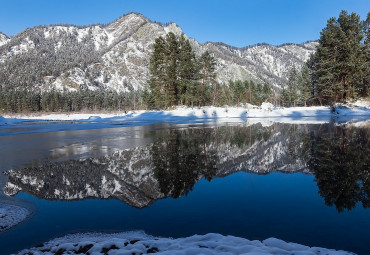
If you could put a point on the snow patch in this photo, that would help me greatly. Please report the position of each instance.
(141, 243)
(11, 215)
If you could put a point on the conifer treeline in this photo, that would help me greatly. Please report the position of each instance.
(53, 101)
(340, 68)
(26, 101)
(299, 89)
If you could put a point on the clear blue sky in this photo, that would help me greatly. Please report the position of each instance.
(238, 23)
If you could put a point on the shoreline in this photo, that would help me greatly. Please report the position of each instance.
(138, 242)
(206, 114)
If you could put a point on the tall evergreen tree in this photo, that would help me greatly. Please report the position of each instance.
(207, 65)
(188, 72)
(292, 93)
(172, 53)
(327, 63)
(350, 54)
(363, 89)
(157, 82)
(338, 59)
(304, 86)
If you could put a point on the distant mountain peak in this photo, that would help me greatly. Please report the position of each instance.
(131, 16)
(174, 28)
(116, 56)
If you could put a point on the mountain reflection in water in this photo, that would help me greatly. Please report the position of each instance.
(170, 166)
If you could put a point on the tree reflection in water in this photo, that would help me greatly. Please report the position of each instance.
(338, 156)
(340, 162)
(181, 158)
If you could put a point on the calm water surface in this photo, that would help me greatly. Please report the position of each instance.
(308, 184)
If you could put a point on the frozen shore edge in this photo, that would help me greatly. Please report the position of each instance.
(140, 243)
(314, 114)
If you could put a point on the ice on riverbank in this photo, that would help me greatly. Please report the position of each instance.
(11, 215)
(141, 243)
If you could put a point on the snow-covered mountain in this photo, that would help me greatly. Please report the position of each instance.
(116, 57)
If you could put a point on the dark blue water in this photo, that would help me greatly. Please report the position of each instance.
(234, 195)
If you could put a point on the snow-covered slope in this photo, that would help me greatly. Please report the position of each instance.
(3, 39)
(116, 56)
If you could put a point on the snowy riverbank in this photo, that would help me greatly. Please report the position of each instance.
(11, 215)
(207, 114)
(140, 243)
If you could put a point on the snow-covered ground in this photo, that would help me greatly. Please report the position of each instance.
(267, 112)
(141, 243)
(11, 215)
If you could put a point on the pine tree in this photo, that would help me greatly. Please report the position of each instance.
(157, 81)
(172, 53)
(188, 71)
(291, 93)
(266, 91)
(304, 86)
(364, 70)
(327, 58)
(248, 90)
(207, 65)
(338, 59)
(350, 54)
(238, 91)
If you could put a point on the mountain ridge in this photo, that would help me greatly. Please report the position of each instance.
(115, 56)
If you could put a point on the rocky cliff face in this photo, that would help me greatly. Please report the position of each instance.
(116, 57)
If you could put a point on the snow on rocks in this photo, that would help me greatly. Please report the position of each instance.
(141, 243)
(11, 215)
